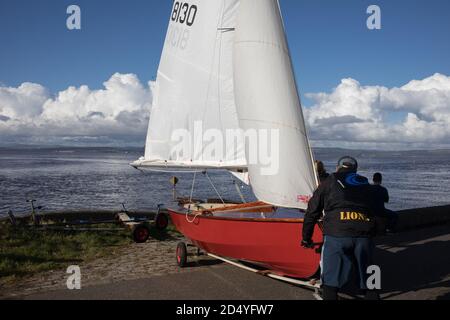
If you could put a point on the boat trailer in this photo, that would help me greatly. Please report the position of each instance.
(313, 284)
(140, 227)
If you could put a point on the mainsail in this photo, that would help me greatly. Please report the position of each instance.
(194, 100)
(226, 67)
(267, 99)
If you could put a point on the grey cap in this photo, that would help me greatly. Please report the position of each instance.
(348, 163)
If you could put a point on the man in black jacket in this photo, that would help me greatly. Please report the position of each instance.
(344, 201)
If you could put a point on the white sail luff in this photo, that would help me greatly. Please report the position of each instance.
(267, 99)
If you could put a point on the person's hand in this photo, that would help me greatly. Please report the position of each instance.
(307, 244)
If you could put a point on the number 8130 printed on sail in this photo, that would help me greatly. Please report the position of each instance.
(184, 13)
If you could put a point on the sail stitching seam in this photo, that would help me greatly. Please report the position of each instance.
(278, 124)
(265, 43)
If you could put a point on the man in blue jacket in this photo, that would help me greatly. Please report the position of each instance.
(344, 201)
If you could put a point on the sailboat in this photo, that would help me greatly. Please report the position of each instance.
(226, 65)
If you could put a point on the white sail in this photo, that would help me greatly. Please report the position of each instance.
(194, 92)
(267, 99)
(242, 176)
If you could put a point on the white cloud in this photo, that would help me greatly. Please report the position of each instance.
(351, 115)
(119, 112)
(24, 102)
(364, 115)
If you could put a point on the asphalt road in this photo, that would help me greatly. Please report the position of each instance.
(219, 283)
(415, 265)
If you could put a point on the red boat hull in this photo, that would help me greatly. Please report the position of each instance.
(272, 243)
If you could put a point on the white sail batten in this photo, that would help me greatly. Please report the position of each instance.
(267, 99)
(194, 103)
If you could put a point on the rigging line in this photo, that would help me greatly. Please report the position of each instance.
(142, 171)
(214, 187)
(190, 200)
(239, 191)
(193, 187)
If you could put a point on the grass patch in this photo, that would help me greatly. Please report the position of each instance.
(171, 233)
(25, 251)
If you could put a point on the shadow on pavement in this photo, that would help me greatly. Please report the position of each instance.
(414, 261)
(203, 263)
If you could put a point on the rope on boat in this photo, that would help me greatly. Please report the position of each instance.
(195, 217)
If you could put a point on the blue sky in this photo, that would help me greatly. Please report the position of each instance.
(329, 41)
(116, 36)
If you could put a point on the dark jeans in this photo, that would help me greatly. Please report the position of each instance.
(387, 221)
(340, 255)
(392, 220)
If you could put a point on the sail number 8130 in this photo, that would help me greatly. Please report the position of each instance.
(184, 13)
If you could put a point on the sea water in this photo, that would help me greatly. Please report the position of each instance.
(101, 178)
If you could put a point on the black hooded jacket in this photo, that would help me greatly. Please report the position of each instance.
(345, 201)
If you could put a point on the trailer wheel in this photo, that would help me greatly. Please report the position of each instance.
(141, 234)
(182, 255)
(161, 221)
